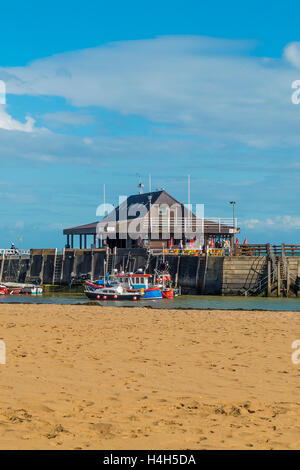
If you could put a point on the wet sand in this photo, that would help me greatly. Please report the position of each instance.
(95, 377)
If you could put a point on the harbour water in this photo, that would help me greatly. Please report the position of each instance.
(184, 302)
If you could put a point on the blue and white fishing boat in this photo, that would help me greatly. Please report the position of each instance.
(140, 282)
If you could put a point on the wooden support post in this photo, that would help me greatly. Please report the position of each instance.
(232, 243)
(84, 237)
(42, 268)
(63, 265)
(287, 280)
(2, 267)
(20, 266)
(269, 279)
(177, 271)
(80, 241)
(68, 240)
(72, 241)
(54, 264)
(93, 266)
(278, 279)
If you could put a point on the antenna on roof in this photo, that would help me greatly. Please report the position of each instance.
(104, 202)
(140, 185)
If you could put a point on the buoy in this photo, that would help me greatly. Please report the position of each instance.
(98, 296)
(212, 243)
(134, 298)
(115, 296)
(104, 297)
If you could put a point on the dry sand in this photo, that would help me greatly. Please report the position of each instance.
(134, 378)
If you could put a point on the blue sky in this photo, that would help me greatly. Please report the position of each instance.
(100, 92)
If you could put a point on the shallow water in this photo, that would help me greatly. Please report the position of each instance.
(183, 302)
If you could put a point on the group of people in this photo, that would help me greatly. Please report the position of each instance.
(219, 244)
(225, 243)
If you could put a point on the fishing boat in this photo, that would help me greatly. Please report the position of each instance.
(139, 282)
(130, 282)
(115, 292)
(152, 287)
(163, 281)
(16, 288)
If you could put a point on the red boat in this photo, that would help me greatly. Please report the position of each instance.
(167, 293)
(94, 285)
(3, 290)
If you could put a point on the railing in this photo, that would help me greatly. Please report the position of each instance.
(252, 250)
(14, 252)
(176, 252)
(189, 224)
(268, 249)
(292, 250)
(239, 250)
(260, 286)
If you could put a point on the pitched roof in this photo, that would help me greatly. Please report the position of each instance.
(157, 197)
(83, 229)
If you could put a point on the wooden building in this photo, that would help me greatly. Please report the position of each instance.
(152, 220)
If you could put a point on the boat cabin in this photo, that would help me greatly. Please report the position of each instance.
(135, 281)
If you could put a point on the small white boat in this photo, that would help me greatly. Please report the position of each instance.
(18, 288)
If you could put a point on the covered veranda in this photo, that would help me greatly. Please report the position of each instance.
(83, 236)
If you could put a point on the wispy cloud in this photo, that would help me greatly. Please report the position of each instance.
(68, 118)
(280, 222)
(8, 123)
(208, 106)
(202, 86)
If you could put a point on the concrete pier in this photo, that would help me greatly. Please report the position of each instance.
(212, 275)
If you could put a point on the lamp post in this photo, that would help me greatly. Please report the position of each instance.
(233, 203)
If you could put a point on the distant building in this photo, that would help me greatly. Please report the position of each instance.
(152, 220)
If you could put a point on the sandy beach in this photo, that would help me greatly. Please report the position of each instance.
(89, 377)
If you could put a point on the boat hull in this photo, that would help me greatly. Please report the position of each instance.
(154, 293)
(99, 296)
(168, 293)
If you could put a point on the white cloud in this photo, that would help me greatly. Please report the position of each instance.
(10, 124)
(203, 86)
(292, 53)
(280, 222)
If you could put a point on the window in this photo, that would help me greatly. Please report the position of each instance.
(162, 210)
